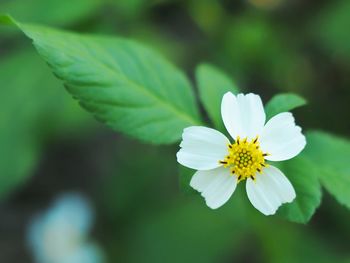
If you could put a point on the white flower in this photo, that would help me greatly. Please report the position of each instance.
(59, 235)
(222, 165)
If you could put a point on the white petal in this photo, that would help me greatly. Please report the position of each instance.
(216, 185)
(281, 138)
(202, 148)
(243, 115)
(269, 190)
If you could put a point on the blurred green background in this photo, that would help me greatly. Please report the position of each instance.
(49, 145)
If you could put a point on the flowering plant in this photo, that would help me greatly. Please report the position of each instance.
(222, 165)
(134, 90)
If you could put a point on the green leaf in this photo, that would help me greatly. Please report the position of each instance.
(124, 84)
(303, 176)
(331, 154)
(212, 85)
(282, 103)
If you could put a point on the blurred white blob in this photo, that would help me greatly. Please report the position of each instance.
(60, 235)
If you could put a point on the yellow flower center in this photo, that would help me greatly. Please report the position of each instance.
(245, 159)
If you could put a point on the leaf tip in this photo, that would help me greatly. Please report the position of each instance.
(6, 19)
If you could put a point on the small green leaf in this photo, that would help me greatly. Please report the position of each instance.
(124, 84)
(331, 154)
(282, 103)
(303, 176)
(212, 85)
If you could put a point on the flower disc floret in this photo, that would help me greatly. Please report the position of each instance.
(245, 158)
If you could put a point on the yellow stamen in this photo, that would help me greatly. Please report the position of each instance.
(245, 159)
